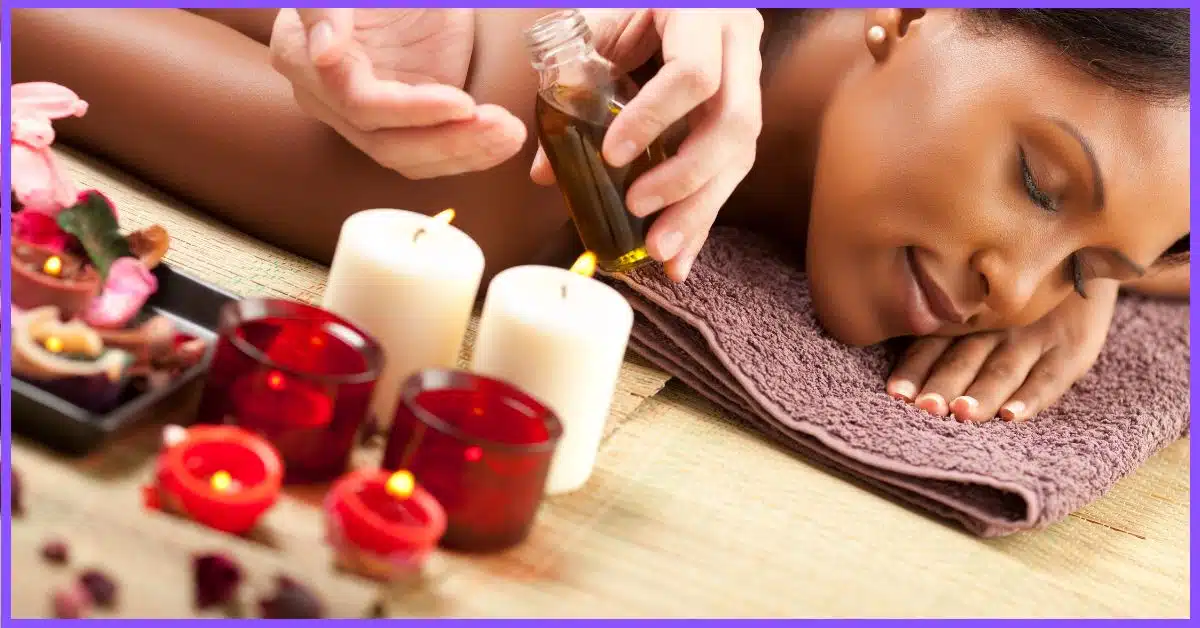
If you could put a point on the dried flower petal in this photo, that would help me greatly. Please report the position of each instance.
(291, 600)
(126, 289)
(41, 229)
(56, 552)
(217, 578)
(72, 602)
(100, 586)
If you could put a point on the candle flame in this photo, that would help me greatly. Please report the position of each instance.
(401, 484)
(221, 481)
(275, 380)
(585, 265)
(53, 265)
(54, 344)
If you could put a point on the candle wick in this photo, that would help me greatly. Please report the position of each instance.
(420, 232)
(564, 291)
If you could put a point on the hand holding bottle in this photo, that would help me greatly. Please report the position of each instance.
(390, 82)
(710, 77)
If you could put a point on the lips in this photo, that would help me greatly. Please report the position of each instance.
(939, 301)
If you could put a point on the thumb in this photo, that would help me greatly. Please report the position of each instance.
(541, 172)
(329, 33)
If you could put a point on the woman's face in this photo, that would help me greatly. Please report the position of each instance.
(969, 183)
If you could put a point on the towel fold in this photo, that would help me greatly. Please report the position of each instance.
(742, 332)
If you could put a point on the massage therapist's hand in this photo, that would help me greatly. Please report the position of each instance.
(390, 82)
(710, 78)
(1017, 372)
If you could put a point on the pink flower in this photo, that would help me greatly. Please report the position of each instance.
(38, 181)
(128, 286)
(40, 229)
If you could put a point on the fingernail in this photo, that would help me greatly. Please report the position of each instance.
(320, 40)
(645, 206)
(1012, 411)
(967, 413)
(902, 389)
(683, 269)
(669, 244)
(932, 403)
(623, 153)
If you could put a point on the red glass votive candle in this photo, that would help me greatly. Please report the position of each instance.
(218, 475)
(298, 375)
(381, 524)
(481, 447)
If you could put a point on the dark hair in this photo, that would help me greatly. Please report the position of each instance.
(1139, 51)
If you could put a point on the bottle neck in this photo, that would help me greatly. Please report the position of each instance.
(558, 38)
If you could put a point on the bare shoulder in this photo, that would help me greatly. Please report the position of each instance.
(500, 71)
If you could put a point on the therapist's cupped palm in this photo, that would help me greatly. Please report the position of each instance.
(390, 81)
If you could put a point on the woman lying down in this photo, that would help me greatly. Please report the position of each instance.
(984, 181)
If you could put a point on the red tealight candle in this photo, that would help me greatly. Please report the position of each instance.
(481, 447)
(298, 375)
(219, 475)
(382, 524)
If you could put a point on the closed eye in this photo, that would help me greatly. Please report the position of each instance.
(1074, 266)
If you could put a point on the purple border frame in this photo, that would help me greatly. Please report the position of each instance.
(5, 287)
(5, 78)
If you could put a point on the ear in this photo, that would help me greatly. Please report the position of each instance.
(884, 28)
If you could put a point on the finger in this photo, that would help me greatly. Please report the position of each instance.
(691, 74)
(957, 367)
(491, 138)
(352, 89)
(699, 160)
(1047, 381)
(730, 129)
(541, 172)
(999, 377)
(909, 375)
(679, 233)
(487, 140)
(329, 33)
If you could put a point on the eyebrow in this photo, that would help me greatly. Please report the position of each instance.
(1097, 185)
(1097, 177)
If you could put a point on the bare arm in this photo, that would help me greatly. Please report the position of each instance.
(194, 107)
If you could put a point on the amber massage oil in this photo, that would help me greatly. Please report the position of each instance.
(579, 96)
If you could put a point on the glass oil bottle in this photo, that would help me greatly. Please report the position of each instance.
(579, 96)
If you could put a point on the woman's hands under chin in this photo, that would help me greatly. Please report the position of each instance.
(1013, 373)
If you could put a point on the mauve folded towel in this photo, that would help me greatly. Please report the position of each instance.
(741, 331)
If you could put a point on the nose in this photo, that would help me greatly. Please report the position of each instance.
(1009, 281)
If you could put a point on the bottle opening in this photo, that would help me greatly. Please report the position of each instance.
(555, 34)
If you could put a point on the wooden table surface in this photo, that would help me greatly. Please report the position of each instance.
(686, 515)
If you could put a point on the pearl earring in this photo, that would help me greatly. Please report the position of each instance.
(876, 34)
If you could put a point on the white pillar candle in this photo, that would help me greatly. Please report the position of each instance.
(410, 281)
(560, 336)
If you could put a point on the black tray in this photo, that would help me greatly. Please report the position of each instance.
(194, 307)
